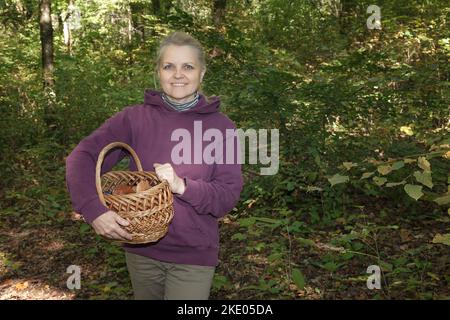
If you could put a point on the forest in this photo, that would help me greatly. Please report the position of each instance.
(359, 205)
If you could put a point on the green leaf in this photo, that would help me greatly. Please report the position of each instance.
(424, 178)
(312, 189)
(239, 236)
(268, 220)
(276, 256)
(423, 163)
(84, 227)
(394, 184)
(297, 227)
(306, 242)
(220, 281)
(259, 246)
(379, 181)
(434, 276)
(367, 175)
(298, 278)
(331, 266)
(398, 165)
(349, 165)
(337, 179)
(414, 191)
(442, 238)
(290, 186)
(407, 130)
(442, 200)
(246, 222)
(384, 170)
(386, 266)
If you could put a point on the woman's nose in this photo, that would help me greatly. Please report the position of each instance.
(178, 74)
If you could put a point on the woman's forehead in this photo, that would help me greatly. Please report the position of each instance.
(174, 53)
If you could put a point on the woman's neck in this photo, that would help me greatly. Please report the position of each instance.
(183, 101)
(181, 106)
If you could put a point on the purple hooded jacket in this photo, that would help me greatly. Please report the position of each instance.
(212, 190)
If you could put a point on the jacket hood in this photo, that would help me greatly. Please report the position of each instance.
(153, 98)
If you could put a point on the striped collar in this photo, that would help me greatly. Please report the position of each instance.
(181, 106)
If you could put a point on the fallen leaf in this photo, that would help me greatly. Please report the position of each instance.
(405, 235)
(22, 285)
(424, 164)
(442, 238)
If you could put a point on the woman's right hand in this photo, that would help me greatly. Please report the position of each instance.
(109, 225)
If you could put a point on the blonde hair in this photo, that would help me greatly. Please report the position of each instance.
(180, 38)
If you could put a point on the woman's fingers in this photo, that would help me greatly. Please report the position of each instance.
(117, 233)
(123, 235)
(122, 221)
(114, 235)
(165, 166)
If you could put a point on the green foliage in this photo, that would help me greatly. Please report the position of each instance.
(298, 278)
(363, 118)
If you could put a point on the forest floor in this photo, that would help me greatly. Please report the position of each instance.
(256, 262)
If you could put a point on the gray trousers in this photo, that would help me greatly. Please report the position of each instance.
(156, 280)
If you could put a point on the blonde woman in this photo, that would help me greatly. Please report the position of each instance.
(181, 265)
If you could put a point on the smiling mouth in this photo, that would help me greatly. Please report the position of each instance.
(179, 84)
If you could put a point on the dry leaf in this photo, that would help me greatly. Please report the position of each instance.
(22, 285)
(405, 235)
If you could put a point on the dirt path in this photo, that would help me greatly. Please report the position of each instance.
(256, 264)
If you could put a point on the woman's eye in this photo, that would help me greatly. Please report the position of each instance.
(189, 67)
(167, 66)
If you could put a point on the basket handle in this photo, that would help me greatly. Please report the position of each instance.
(101, 156)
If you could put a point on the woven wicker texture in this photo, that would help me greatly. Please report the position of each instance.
(149, 212)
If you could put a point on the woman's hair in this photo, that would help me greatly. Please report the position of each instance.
(179, 38)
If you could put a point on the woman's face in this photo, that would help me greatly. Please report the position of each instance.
(180, 72)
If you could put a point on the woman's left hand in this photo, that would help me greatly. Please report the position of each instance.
(165, 171)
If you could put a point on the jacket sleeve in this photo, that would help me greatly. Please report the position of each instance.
(81, 163)
(219, 195)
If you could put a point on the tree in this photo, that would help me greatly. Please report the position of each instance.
(70, 20)
(46, 32)
(218, 12)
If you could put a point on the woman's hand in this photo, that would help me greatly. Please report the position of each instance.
(166, 172)
(109, 225)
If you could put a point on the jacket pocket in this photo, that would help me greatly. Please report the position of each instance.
(184, 230)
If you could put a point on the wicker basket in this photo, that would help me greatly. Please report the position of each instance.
(149, 212)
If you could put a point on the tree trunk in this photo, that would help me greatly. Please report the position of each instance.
(156, 6)
(161, 8)
(219, 9)
(129, 45)
(46, 31)
(348, 8)
(167, 5)
(137, 10)
(66, 29)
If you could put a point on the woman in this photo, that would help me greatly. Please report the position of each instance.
(181, 265)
